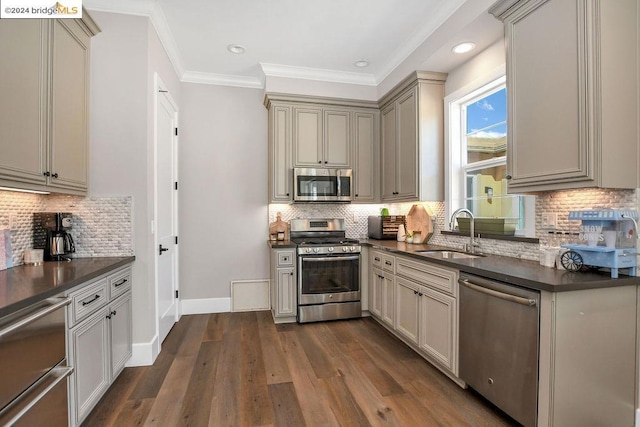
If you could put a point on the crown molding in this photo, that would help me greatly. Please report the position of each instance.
(168, 41)
(222, 79)
(275, 70)
(127, 7)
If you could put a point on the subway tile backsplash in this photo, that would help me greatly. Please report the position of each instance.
(558, 202)
(102, 226)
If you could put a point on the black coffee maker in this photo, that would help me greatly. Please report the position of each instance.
(51, 233)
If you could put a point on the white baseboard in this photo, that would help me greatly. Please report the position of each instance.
(144, 354)
(206, 306)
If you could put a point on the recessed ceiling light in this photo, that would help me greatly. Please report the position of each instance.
(235, 48)
(361, 63)
(463, 47)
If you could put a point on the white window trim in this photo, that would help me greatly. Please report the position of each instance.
(453, 150)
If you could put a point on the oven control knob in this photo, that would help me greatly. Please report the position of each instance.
(308, 250)
(345, 249)
(316, 250)
(353, 248)
(330, 249)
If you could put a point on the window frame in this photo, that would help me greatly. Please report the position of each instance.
(456, 147)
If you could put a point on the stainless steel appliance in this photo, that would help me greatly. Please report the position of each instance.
(51, 233)
(328, 270)
(33, 389)
(321, 185)
(499, 340)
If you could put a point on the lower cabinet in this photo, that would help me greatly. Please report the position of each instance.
(283, 285)
(99, 340)
(419, 304)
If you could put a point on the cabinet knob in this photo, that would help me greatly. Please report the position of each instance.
(508, 177)
(319, 161)
(54, 175)
(291, 273)
(287, 194)
(356, 195)
(420, 294)
(325, 162)
(415, 292)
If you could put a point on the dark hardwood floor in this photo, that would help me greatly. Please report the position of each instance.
(239, 369)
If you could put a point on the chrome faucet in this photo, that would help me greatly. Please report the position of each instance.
(454, 216)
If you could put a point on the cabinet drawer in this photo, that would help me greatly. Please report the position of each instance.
(87, 300)
(437, 278)
(286, 259)
(383, 261)
(119, 283)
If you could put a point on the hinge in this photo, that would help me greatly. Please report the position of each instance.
(176, 240)
(175, 185)
(176, 294)
(176, 131)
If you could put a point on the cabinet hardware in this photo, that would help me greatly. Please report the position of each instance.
(415, 292)
(508, 176)
(291, 274)
(95, 298)
(120, 283)
(356, 195)
(325, 162)
(319, 161)
(376, 259)
(54, 175)
(287, 194)
(420, 294)
(109, 316)
(113, 313)
(388, 262)
(46, 173)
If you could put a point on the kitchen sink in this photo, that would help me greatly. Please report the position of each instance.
(445, 254)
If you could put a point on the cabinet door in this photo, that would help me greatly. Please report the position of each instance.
(545, 140)
(437, 326)
(307, 136)
(89, 357)
(68, 145)
(23, 103)
(280, 174)
(389, 152)
(286, 292)
(120, 333)
(365, 159)
(407, 146)
(375, 293)
(408, 309)
(388, 299)
(337, 150)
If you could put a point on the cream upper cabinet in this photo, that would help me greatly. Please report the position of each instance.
(44, 123)
(413, 139)
(316, 132)
(280, 163)
(572, 93)
(365, 158)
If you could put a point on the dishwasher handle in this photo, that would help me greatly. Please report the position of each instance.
(508, 297)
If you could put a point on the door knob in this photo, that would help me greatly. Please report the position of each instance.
(162, 250)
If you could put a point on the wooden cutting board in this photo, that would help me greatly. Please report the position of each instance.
(418, 219)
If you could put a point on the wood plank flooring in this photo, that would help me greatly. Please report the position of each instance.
(240, 369)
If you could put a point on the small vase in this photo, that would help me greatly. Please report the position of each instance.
(409, 240)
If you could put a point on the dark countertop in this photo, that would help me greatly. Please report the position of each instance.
(25, 285)
(281, 244)
(528, 274)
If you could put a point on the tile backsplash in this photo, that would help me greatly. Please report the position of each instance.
(102, 226)
(558, 202)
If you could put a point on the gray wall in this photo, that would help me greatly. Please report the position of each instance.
(223, 189)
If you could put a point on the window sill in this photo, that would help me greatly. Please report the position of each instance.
(495, 237)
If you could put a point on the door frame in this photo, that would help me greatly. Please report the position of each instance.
(160, 87)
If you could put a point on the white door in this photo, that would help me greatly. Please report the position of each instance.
(166, 212)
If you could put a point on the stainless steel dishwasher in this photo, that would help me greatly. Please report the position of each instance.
(499, 336)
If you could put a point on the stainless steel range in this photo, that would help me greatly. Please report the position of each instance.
(328, 270)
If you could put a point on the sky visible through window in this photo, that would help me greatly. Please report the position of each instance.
(487, 117)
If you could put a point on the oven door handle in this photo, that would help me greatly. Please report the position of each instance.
(332, 258)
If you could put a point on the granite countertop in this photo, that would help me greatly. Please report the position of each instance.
(281, 244)
(528, 274)
(25, 285)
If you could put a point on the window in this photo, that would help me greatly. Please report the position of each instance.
(477, 161)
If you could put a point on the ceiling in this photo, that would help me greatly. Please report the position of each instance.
(316, 40)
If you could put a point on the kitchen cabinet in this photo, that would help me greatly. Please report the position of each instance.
(365, 156)
(572, 93)
(417, 301)
(587, 365)
(99, 339)
(44, 115)
(317, 132)
(283, 285)
(321, 137)
(412, 122)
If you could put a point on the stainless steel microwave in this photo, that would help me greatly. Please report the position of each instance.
(321, 185)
